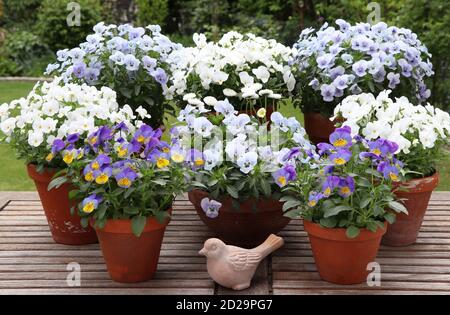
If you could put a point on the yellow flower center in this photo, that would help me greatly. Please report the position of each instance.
(312, 203)
(80, 155)
(327, 191)
(339, 161)
(121, 152)
(340, 143)
(68, 158)
(124, 182)
(89, 207)
(162, 162)
(140, 139)
(95, 165)
(199, 162)
(101, 179)
(177, 157)
(166, 150)
(93, 140)
(393, 177)
(345, 190)
(89, 177)
(49, 157)
(282, 180)
(376, 151)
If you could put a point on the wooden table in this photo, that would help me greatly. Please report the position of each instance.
(31, 263)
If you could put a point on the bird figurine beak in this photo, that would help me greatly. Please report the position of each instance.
(202, 251)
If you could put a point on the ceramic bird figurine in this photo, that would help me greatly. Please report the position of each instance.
(233, 267)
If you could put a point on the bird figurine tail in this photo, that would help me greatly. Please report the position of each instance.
(271, 244)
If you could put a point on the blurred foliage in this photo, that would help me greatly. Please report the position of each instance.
(152, 12)
(279, 19)
(52, 22)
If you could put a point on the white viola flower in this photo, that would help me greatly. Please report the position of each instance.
(371, 131)
(219, 77)
(265, 153)
(225, 108)
(238, 123)
(142, 112)
(247, 162)
(427, 137)
(203, 126)
(229, 93)
(212, 158)
(275, 96)
(236, 147)
(280, 121)
(261, 74)
(246, 79)
(210, 100)
(8, 125)
(189, 96)
(35, 139)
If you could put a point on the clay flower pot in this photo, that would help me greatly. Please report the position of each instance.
(318, 127)
(248, 226)
(65, 228)
(129, 258)
(340, 259)
(405, 229)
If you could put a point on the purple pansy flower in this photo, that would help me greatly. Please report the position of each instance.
(126, 177)
(72, 138)
(341, 137)
(314, 198)
(328, 92)
(341, 157)
(330, 183)
(91, 203)
(210, 207)
(346, 186)
(284, 175)
(160, 76)
(57, 145)
(325, 148)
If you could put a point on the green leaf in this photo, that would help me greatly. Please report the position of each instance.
(265, 187)
(397, 207)
(336, 210)
(390, 217)
(287, 198)
(233, 192)
(138, 224)
(364, 202)
(291, 204)
(57, 182)
(73, 194)
(352, 231)
(293, 214)
(128, 192)
(328, 222)
(377, 210)
(84, 222)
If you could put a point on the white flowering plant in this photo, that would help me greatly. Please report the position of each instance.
(237, 155)
(420, 131)
(133, 61)
(35, 126)
(252, 72)
(333, 63)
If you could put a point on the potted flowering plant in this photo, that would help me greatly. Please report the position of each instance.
(344, 207)
(420, 132)
(34, 127)
(334, 63)
(240, 168)
(252, 72)
(133, 61)
(127, 182)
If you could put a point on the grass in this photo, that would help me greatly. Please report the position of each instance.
(13, 174)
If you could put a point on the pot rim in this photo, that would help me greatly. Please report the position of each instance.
(123, 226)
(417, 185)
(338, 234)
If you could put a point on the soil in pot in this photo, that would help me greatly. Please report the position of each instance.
(416, 197)
(247, 226)
(340, 259)
(65, 228)
(318, 127)
(129, 258)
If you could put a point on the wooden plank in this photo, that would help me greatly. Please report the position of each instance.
(309, 291)
(108, 291)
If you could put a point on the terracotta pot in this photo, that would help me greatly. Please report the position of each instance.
(129, 258)
(340, 259)
(405, 229)
(65, 228)
(318, 127)
(246, 226)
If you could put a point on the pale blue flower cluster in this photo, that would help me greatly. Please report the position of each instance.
(113, 53)
(350, 59)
